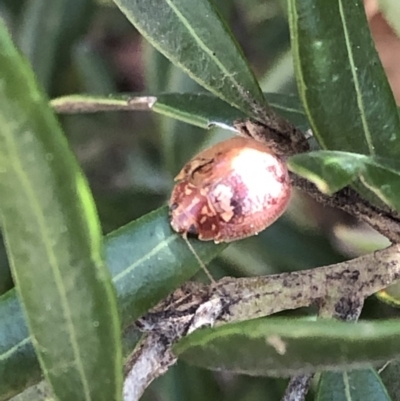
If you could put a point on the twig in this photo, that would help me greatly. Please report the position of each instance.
(347, 309)
(283, 138)
(233, 300)
(339, 289)
(73, 104)
(184, 311)
(348, 200)
(297, 388)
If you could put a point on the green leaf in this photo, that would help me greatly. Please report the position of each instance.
(147, 261)
(287, 247)
(355, 385)
(19, 367)
(382, 178)
(279, 76)
(93, 70)
(179, 140)
(194, 37)
(156, 69)
(341, 82)
(205, 110)
(200, 109)
(47, 32)
(282, 347)
(289, 107)
(183, 383)
(12, 6)
(53, 240)
(38, 392)
(390, 295)
(331, 171)
(390, 374)
(38, 35)
(6, 282)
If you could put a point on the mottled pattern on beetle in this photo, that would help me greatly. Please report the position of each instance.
(259, 171)
(242, 215)
(230, 191)
(191, 211)
(235, 198)
(221, 197)
(196, 169)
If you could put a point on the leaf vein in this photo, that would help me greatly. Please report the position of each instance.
(353, 70)
(300, 77)
(30, 194)
(148, 255)
(203, 46)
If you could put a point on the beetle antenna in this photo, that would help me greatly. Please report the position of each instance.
(201, 263)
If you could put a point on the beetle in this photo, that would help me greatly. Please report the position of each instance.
(230, 191)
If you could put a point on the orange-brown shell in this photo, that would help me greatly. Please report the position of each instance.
(232, 190)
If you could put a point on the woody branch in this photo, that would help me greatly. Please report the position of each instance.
(233, 300)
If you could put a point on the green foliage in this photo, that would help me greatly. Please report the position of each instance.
(62, 320)
(144, 251)
(354, 385)
(341, 82)
(53, 240)
(202, 36)
(333, 170)
(278, 347)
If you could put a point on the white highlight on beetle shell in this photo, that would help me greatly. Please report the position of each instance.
(259, 171)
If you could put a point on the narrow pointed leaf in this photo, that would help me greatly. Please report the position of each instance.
(156, 69)
(333, 170)
(38, 35)
(47, 31)
(147, 261)
(179, 141)
(205, 110)
(282, 347)
(390, 376)
(383, 180)
(341, 81)
(354, 385)
(194, 37)
(330, 171)
(94, 73)
(201, 109)
(53, 240)
(19, 367)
